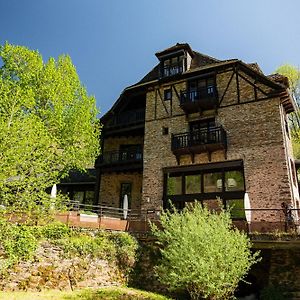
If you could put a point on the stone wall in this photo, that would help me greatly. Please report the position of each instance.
(111, 185)
(50, 270)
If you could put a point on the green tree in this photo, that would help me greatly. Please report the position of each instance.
(48, 125)
(293, 75)
(202, 252)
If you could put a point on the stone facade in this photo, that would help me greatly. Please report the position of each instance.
(251, 111)
(110, 189)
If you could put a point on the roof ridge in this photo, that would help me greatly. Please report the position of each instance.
(208, 56)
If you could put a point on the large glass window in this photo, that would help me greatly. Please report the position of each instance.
(174, 185)
(212, 182)
(193, 184)
(228, 183)
(234, 181)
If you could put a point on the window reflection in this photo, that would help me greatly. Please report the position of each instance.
(212, 182)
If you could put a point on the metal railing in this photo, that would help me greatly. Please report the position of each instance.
(209, 92)
(121, 156)
(112, 212)
(262, 220)
(127, 118)
(171, 70)
(213, 135)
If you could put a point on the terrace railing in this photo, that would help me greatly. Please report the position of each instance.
(214, 135)
(96, 216)
(121, 157)
(131, 117)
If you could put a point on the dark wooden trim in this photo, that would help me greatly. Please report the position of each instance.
(208, 167)
(134, 130)
(207, 196)
(125, 168)
(247, 102)
(255, 93)
(226, 89)
(171, 102)
(162, 101)
(237, 84)
(253, 84)
(155, 105)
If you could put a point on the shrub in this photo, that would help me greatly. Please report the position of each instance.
(85, 245)
(126, 247)
(20, 244)
(55, 230)
(202, 253)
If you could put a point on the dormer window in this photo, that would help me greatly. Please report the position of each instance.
(175, 60)
(172, 66)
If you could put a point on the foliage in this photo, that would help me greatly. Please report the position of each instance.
(85, 245)
(293, 75)
(112, 293)
(48, 125)
(55, 230)
(18, 242)
(126, 248)
(202, 252)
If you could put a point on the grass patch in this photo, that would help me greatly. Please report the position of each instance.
(112, 293)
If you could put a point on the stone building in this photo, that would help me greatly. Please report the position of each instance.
(199, 128)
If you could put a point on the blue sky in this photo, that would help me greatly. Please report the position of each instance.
(112, 42)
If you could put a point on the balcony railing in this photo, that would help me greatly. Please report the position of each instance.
(199, 140)
(131, 117)
(202, 98)
(172, 70)
(121, 157)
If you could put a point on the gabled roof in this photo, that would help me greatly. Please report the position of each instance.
(175, 48)
(202, 63)
(198, 60)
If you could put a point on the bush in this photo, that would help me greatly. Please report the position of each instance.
(202, 253)
(126, 247)
(55, 230)
(85, 245)
(20, 244)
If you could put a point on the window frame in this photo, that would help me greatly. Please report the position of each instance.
(223, 193)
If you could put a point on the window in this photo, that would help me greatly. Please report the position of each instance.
(206, 184)
(175, 185)
(84, 197)
(172, 66)
(212, 182)
(193, 184)
(201, 88)
(165, 130)
(168, 94)
(234, 181)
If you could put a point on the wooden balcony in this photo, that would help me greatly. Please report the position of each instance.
(199, 100)
(133, 120)
(199, 141)
(122, 160)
